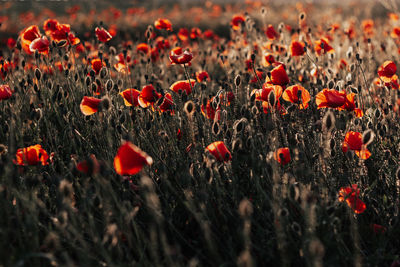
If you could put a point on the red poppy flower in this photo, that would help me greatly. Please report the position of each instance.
(237, 21)
(322, 46)
(209, 35)
(131, 97)
(11, 43)
(50, 26)
(41, 45)
(350, 105)
(5, 92)
(262, 94)
(260, 75)
(162, 43)
(182, 86)
(351, 196)
(271, 32)
(167, 104)
(72, 39)
(378, 229)
(219, 151)
(130, 159)
(27, 36)
(202, 76)
(368, 27)
(183, 34)
(387, 70)
(97, 64)
(330, 98)
(143, 47)
(163, 24)
(342, 64)
(279, 75)
(178, 56)
(268, 59)
(297, 48)
(209, 111)
(90, 166)
(102, 34)
(32, 155)
(148, 96)
(89, 105)
(282, 155)
(395, 32)
(61, 32)
(195, 33)
(154, 54)
(353, 141)
(276, 108)
(297, 95)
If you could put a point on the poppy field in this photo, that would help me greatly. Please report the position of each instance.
(240, 134)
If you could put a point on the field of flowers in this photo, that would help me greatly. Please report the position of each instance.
(247, 134)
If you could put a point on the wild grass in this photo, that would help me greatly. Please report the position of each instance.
(187, 209)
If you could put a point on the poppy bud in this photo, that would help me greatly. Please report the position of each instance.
(189, 108)
(245, 208)
(271, 98)
(215, 128)
(368, 137)
(103, 73)
(378, 113)
(38, 74)
(328, 121)
(331, 84)
(105, 103)
(113, 51)
(237, 145)
(237, 80)
(109, 85)
(332, 144)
